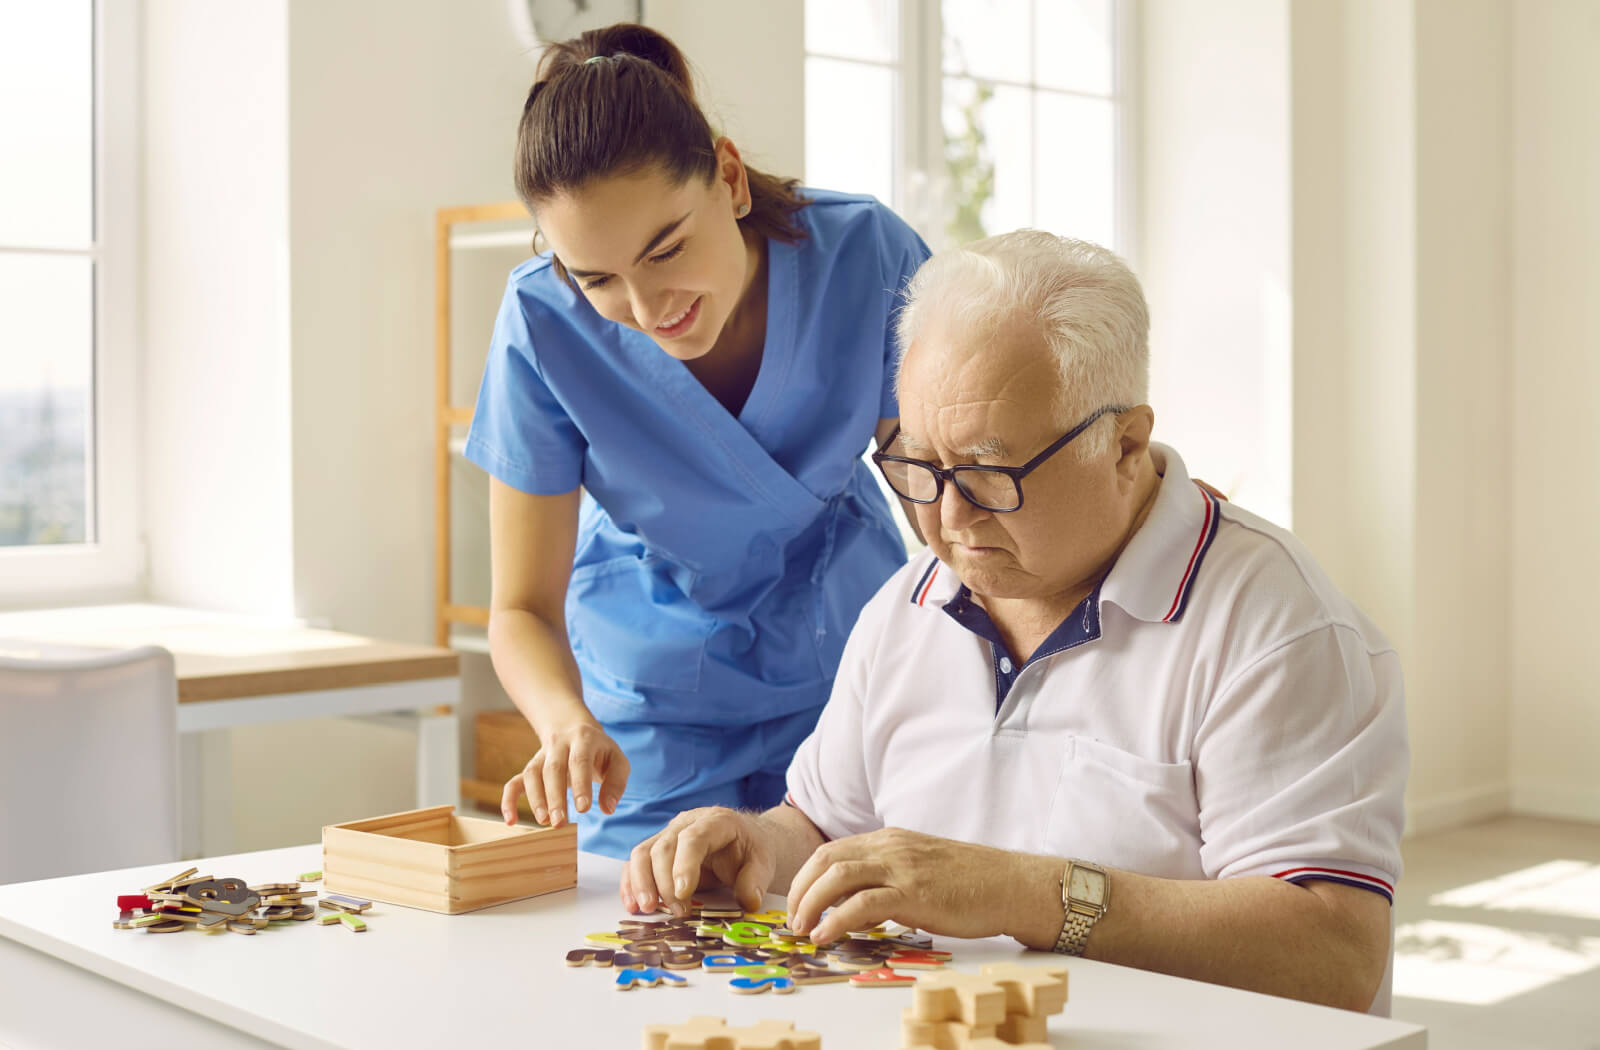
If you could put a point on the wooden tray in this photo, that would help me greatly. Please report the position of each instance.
(437, 861)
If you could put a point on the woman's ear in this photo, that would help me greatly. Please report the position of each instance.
(731, 173)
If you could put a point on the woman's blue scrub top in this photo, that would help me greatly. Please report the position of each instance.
(721, 560)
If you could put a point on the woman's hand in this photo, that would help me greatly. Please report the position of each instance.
(576, 756)
(700, 848)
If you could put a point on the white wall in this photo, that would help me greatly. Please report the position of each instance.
(1213, 248)
(1553, 430)
(218, 490)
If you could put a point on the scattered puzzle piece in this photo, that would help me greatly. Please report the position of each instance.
(354, 922)
(694, 1034)
(311, 876)
(941, 1035)
(649, 976)
(772, 1034)
(600, 957)
(881, 978)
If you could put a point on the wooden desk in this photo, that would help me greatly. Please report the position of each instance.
(498, 978)
(237, 671)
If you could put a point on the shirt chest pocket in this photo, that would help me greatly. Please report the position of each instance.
(1123, 810)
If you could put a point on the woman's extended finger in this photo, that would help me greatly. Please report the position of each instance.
(637, 886)
(555, 783)
(509, 796)
(533, 784)
(581, 773)
(614, 778)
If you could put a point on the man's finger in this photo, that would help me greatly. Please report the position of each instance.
(858, 911)
(840, 880)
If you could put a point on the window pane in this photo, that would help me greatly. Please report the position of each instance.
(46, 370)
(47, 122)
(852, 29)
(987, 39)
(1076, 160)
(1072, 45)
(850, 127)
(988, 158)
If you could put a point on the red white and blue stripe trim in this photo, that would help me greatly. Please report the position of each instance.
(919, 593)
(1202, 543)
(1348, 878)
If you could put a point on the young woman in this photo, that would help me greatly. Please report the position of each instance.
(673, 414)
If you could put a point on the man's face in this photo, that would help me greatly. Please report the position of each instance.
(989, 397)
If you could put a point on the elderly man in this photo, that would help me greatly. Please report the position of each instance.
(1104, 713)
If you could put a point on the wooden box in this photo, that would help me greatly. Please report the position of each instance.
(435, 860)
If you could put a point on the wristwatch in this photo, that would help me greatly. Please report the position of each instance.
(1085, 896)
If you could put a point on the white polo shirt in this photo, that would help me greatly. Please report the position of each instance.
(1216, 708)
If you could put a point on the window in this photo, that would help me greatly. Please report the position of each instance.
(972, 117)
(66, 413)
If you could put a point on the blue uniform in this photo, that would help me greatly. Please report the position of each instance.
(721, 560)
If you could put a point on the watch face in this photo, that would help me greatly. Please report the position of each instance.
(1086, 885)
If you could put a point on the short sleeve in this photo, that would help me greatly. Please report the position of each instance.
(1300, 765)
(828, 778)
(521, 435)
(903, 255)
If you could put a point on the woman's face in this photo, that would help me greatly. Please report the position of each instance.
(666, 259)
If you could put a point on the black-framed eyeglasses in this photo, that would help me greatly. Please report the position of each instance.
(996, 489)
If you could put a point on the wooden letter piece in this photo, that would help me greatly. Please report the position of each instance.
(600, 957)
(881, 978)
(649, 976)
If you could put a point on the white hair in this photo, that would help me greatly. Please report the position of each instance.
(1085, 301)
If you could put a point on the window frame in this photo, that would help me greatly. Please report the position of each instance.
(113, 566)
(919, 125)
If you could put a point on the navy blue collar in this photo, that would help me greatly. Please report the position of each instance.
(1081, 625)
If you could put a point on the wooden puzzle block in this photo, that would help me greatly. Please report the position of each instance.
(766, 918)
(881, 978)
(726, 961)
(146, 920)
(600, 957)
(165, 926)
(947, 996)
(1037, 991)
(355, 923)
(649, 976)
(682, 959)
(805, 973)
(240, 926)
(941, 1035)
(1021, 1028)
(918, 960)
(311, 876)
(133, 900)
(302, 912)
(858, 963)
(1001, 1044)
(328, 918)
(214, 920)
(275, 887)
(599, 940)
(636, 960)
(339, 900)
(747, 934)
(772, 1034)
(697, 1033)
(123, 921)
(225, 895)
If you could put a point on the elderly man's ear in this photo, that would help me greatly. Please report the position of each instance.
(1133, 440)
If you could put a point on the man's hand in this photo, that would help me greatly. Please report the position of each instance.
(700, 848)
(929, 883)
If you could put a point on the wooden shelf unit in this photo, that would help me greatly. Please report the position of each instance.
(447, 614)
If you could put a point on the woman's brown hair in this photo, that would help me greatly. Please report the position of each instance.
(616, 101)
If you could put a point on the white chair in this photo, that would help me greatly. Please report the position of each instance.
(88, 760)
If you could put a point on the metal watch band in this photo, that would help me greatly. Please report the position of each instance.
(1074, 936)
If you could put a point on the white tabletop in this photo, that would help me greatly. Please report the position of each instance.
(498, 977)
